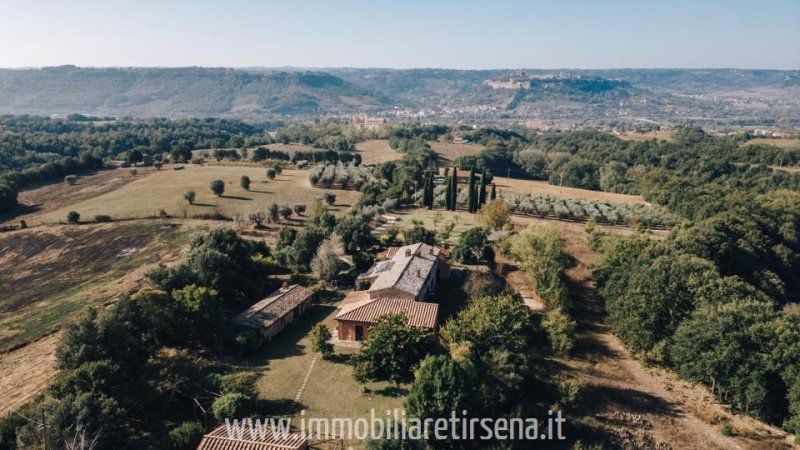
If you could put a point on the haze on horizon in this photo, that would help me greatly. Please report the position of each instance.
(465, 34)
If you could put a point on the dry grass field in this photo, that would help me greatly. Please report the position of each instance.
(449, 152)
(376, 151)
(163, 190)
(782, 143)
(661, 135)
(543, 187)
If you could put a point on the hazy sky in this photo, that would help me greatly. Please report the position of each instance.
(402, 34)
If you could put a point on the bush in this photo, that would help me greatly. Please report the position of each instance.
(271, 174)
(363, 260)
(329, 197)
(320, 337)
(560, 329)
(569, 393)
(102, 218)
(247, 342)
(232, 406)
(186, 436)
(299, 209)
(70, 179)
(73, 217)
(244, 182)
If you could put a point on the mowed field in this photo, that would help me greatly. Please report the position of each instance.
(661, 135)
(48, 275)
(163, 190)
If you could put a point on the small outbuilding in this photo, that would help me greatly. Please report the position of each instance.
(272, 314)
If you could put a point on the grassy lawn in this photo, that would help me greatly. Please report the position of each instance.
(778, 142)
(331, 390)
(448, 152)
(163, 190)
(47, 275)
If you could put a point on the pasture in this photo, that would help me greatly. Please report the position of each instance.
(155, 191)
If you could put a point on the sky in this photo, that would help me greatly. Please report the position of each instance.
(463, 34)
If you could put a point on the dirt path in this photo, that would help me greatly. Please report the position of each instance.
(619, 392)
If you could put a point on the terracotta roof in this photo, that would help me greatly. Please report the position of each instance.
(407, 269)
(220, 440)
(418, 314)
(278, 304)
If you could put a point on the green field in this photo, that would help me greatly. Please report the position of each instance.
(49, 274)
(163, 190)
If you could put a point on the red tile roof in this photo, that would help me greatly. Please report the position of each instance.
(220, 440)
(418, 314)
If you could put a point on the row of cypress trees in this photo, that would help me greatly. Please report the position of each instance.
(477, 190)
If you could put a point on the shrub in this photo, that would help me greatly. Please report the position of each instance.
(320, 337)
(244, 182)
(102, 218)
(186, 436)
(70, 179)
(299, 209)
(285, 212)
(271, 174)
(560, 329)
(248, 342)
(569, 393)
(329, 197)
(189, 196)
(232, 406)
(73, 217)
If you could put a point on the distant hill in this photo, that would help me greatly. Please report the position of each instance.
(179, 92)
(723, 96)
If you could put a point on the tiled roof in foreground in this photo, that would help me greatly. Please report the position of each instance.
(418, 314)
(220, 440)
(278, 304)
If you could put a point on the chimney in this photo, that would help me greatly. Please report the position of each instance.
(408, 252)
(419, 273)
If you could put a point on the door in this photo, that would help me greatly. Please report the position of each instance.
(359, 333)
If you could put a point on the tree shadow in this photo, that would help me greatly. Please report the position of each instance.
(206, 205)
(20, 210)
(260, 192)
(235, 197)
(279, 407)
(392, 391)
(597, 399)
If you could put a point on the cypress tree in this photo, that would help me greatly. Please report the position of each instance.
(493, 195)
(471, 207)
(448, 197)
(482, 197)
(454, 189)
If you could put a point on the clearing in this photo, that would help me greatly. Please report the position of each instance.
(660, 135)
(377, 151)
(449, 151)
(155, 191)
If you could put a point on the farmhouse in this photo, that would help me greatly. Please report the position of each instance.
(398, 284)
(271, 315)
(263, 439)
